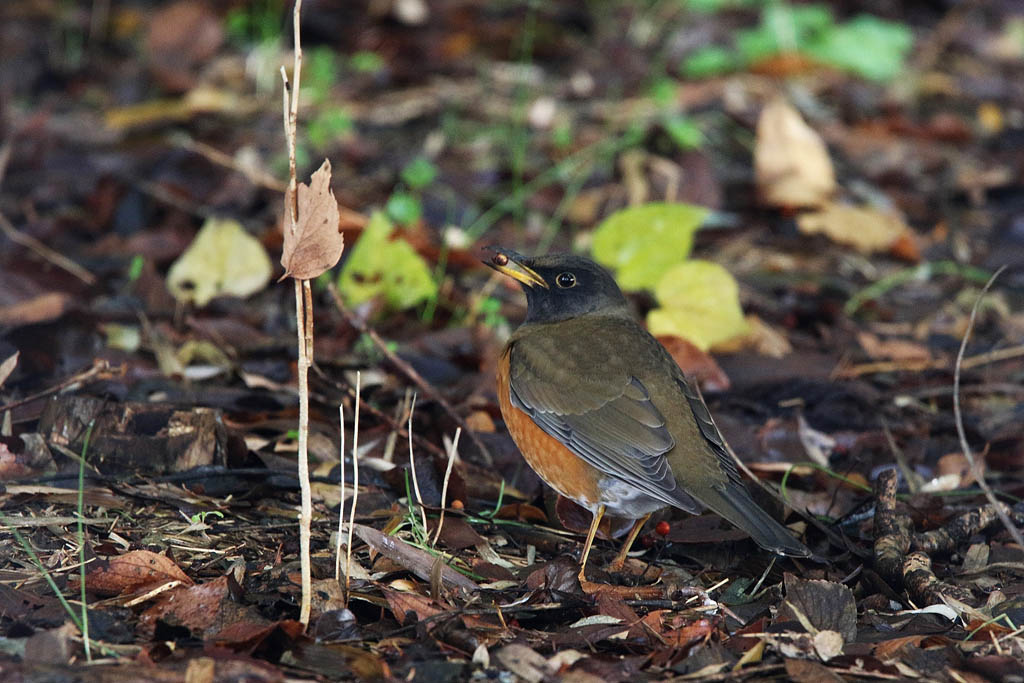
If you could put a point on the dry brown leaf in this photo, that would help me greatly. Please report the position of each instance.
(403, 602)
(133, 571)
(865, 229)
(892, 349)
(696, 363)
(315, 245)
(791, 163)
(38, 309)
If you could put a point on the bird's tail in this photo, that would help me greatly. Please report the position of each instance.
(732, 501)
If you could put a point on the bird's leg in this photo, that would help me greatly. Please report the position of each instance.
(590, 541)
(620, 559)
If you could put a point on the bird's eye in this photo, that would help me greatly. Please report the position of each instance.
(565, 280)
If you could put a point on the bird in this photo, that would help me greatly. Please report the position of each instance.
(603, 413)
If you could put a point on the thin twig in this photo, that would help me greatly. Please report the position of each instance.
(392, 423)
(256, 176)
(56, 258)
(409, 372)
(412, 466)
(100, 369)
(452, 452)
(341, 504)
(355, 485)
(959, 418)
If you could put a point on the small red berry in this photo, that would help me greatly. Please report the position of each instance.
(663, 528)
(457, 504)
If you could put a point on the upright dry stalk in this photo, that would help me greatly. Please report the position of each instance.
(341, 505)
(355, 484)
(303, 319)
(452, 452)
(412, 466)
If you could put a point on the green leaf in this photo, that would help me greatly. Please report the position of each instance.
(381, 267)
(783, 29)
(641, 242)
(419, 173)
(321, 72)
(683, 131)
(403, 208)
(664, 91)
(699, 301)
(366, 62)
(867, 46)
(138, 262)
(328, 126)
(709, 61)
(223, 259)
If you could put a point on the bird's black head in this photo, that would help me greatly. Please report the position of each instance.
(559, 286)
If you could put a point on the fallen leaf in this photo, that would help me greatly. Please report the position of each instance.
(315, 244)
(827, 606)
(810, 671)
(379, 266)
(132, 572)
(223, 259)
(791, 163)
(403, 602)
(828, 644)
(696, 363)
(892, 349)
(204, 609)
(523, 662)
(38, 309)
(818, 445)
(866, 229)
(699, 301)
(641, 243)
(7, 367)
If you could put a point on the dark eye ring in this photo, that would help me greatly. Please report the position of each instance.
(565, 280)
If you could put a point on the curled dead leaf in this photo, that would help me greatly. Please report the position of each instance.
(791, 163)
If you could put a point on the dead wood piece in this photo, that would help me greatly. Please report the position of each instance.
(892, 530)
(924, 587)
(150, 437)
(958, 530)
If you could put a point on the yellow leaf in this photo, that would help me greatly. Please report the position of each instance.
(863, 228)
(699, 301)
(223, 259)
(641, 242)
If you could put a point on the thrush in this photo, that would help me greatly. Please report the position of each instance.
(604, 415)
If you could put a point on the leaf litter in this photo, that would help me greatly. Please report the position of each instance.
(834, 382)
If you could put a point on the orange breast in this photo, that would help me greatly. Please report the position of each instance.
(559, 467)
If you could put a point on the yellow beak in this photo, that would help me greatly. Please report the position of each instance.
(508, 262)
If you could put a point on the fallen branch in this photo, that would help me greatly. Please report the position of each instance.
(924, 587)
(892, 530)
